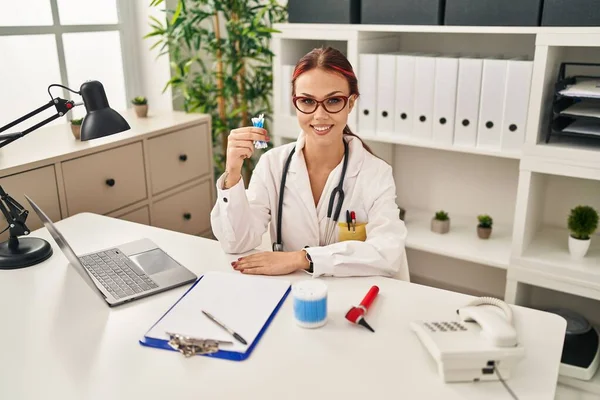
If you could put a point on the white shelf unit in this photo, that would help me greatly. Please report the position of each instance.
(528, 192)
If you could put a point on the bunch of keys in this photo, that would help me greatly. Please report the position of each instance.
(189, 346)
(259, 122)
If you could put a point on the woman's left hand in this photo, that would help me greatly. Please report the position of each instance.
(271, 263)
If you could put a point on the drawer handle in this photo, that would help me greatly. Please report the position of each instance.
(183, 157)
(187, 216)
(110, 182)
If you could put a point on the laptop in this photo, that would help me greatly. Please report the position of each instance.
(125, 272)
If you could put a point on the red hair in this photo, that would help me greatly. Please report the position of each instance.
(331, 60)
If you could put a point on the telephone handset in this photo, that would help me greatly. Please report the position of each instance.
(472, 347)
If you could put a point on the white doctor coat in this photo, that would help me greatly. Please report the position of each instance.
(240, 217)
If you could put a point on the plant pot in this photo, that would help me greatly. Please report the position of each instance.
(438, 226)
(76, 129)
(578, 247)
(141, 110)
(484, 233)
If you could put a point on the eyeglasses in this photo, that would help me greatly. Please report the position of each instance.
(308, 105)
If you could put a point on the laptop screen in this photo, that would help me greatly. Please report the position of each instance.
(62, 244)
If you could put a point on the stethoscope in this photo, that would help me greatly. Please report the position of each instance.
(332, 216)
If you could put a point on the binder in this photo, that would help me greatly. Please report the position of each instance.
(444, 104)
(516, 104)
(491, 106)
(424, 91)
(405, 90)
(367, 102)
(468, 92)
(386, 70)
(247, 304)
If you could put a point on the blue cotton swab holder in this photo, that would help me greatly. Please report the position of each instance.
(259, 122)
(310, 303)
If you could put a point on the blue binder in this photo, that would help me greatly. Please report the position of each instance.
(224, 354)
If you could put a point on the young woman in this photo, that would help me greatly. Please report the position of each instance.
(300, 187)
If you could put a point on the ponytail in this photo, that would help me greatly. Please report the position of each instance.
(348, 132)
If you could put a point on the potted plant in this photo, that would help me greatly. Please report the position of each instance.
(221, 68)
(140, 103)
(582, 223)
(440, 223)
(484, 228)
(76, 127)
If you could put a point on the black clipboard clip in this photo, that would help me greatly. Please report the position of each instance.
(189, 346)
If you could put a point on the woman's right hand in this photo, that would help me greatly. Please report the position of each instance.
(240, 145)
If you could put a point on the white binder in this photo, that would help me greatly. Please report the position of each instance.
(286, 89)
(516, 104)
(468, 92)
(386, 93)
(424, 91)
(444, 104)
(367, 102)
(405, 89)
(491, 107)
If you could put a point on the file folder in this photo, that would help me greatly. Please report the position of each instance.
(491, 107)
(405, 91)
(424, 91)
(468, 92)
(516, 104)
(247, 304)
(367, 102)
(386, 70)
(444, 105)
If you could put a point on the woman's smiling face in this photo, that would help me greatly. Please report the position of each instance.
(319, 85)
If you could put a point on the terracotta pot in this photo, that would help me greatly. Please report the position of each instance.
(484, 233)
(141, 110)
(438, 226)
(76, 129)
(578, 247)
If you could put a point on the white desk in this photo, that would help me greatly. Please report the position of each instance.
(59, 341)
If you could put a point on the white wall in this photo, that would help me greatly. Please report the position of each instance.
(155, 72)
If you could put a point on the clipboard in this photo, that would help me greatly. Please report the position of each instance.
(183, 328)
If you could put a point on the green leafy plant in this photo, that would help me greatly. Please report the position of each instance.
(583, 222)
(76, 121)
(221, 62)
(441, 216)
(139, 101)
(485, 221)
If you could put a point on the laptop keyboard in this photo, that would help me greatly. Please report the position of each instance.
(112, 269)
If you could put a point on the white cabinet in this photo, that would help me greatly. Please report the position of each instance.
(156, 173)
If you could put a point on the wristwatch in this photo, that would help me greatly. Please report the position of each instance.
(310, 262)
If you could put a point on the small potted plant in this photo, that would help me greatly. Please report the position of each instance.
(582, 223)
(484, 228)
(76, 127)
(440, 223)
(140, 104)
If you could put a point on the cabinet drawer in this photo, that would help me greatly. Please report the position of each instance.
(105, 181)
(141, 216)
(179, 157)
(187, 211)
(40, 185)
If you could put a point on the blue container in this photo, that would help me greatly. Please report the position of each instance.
(310, 303)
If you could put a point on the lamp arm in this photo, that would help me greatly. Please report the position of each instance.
(62, 107)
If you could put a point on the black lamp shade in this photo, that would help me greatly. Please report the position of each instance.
(101, 120)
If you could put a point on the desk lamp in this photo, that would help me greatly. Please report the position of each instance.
(99, 121)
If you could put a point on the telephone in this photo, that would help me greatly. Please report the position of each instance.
(480, 345)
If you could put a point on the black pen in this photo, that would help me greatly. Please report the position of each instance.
(348, 219)
(231, 331)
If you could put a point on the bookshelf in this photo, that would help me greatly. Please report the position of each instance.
(528, 191)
